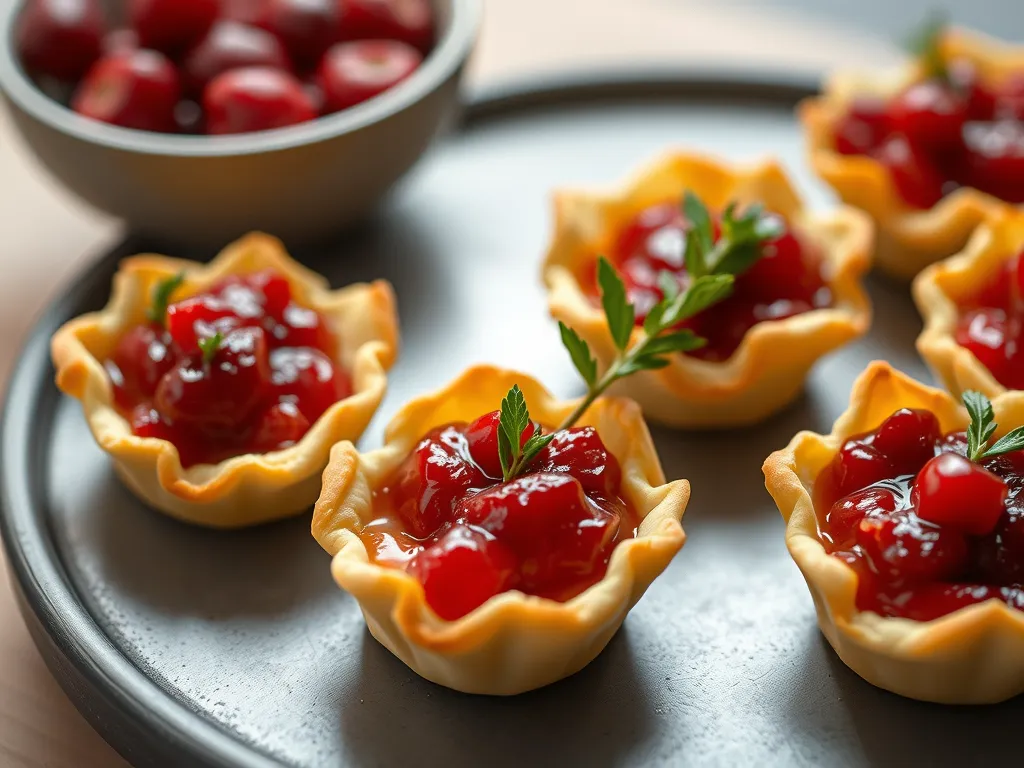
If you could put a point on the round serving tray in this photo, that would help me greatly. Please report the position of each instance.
(185, 647)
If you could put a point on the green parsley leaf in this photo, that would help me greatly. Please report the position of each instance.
(580, 353)
(512, 422)
(161, 298)
(982, 425)
(680, 341)
(1008, 443)
(700, 221)
(926, 44)
(209, 345)
(537, 443)
(642, 363)
(702, 293)
(617, 310)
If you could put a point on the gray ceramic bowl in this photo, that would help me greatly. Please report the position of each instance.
(301, 183)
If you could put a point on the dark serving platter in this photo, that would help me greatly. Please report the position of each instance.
(185, 647)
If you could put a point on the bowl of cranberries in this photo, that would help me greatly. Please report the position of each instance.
(198, 120)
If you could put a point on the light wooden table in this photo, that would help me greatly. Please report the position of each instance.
(46, 235)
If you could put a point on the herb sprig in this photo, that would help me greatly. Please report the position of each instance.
(983, 426)
(161, 298)
(926, 44)
(209, 345)
(712, 265)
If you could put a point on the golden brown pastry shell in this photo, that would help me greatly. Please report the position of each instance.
(513, 642)
(909, 239)
(252, 488)
(768, 370)
(972, 656)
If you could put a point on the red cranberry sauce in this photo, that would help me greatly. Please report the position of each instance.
(991, 324)
(941, 134)
(450, 521)
(787, 280)
(220, 66)
(926, 530)
(272, 376)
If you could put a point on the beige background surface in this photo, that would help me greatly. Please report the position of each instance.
(45, 235)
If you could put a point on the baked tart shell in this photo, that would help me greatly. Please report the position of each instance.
(513, 642)
(909, 239)
(768, 370)
(251, 488)
(941, 289)
(972, 656)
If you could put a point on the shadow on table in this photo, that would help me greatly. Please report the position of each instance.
(604, 710)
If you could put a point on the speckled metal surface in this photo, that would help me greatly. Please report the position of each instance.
(160, 631)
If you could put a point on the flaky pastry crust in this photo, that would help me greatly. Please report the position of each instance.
(513, 642)
(252, 488)
(768, 369)
(909, 239)
(942, 288)
(972, 656)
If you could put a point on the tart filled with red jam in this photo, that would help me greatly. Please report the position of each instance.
(930, 522)
(953, 127)
(242, 367)
(991, 324)
(448, 517)
(779, 273)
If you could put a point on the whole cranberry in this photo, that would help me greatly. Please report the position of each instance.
(1001, 554)
(431, 479)
(308, 376)
(142, 357)
(280, 426)
(858, 465)
(580, 453)
(931, 114)
(255, 99)
(953, 491)
(409, 21)
(908, 439)
(917, 179)
(171, 26)
(985, 332)
(863, 127)
(306, 27)
(462, 570)
(842, 520)
(231, 45)
(902, 547)
(995, 158)
(482, 441)
(198, 317)
(59, 38)
(135, 88)
(351, 73)
(245, 11)
(221, 391)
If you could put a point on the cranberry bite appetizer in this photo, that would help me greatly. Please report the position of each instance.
(497, 551)
(928, 150)
(794, 289)
(218, 390)
(906, 522)
(973, 308)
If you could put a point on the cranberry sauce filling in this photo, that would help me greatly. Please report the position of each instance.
(926, 530)
(940, 134)
(259, 390)
(991, 325)
(787, 280)
(451, 522)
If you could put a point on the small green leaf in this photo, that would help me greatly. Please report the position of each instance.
(513, 420)
(209, 345)
(982, 425)
(680, 341)
(535, 445)
(669, 284)
(925, 43)
(738, 258)
(694, 258)
(642, 363)
(1011, 441)
(617, 309)
(700, 220)
(580, 353)
(161, 297)
(701, 294)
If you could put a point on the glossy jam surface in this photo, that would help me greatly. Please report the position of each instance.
(991, 324)
(448, 519)
(941, 134)
(787, 280)
(220, 66)
(926, 530)
(272, 376)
